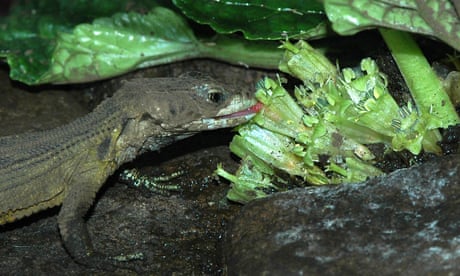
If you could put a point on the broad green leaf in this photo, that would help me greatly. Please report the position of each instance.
(436, 18)
(259, 19)
(28, 33)
(123, 42)
(55, 41)
(443, 18)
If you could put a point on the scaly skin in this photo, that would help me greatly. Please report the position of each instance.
(69, 164)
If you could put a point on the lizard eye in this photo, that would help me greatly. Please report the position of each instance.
(216, 97)
(216, 94)
(212, 93)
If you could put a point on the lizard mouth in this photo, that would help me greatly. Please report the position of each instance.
(227, 120)
(252, 110)
(233, 119)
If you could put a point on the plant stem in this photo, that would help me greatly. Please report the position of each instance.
(432, 101)
(262, 54)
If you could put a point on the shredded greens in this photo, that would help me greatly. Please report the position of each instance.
(321, 135)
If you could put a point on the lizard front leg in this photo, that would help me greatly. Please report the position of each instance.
(72, 226)
(81, 190)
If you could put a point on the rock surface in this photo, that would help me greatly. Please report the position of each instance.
(404, 223)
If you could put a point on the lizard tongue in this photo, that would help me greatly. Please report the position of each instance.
(250, 110)
(223, 121)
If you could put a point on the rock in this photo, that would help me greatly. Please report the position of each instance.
(404, 223)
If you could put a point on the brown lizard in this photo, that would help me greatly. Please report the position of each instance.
(69, 164)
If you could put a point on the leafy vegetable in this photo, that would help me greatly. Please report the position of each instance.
(120, 43)
(258, 19)
(320, 136)
(56, 51)
(28, 33)
(58, 41)
(438, 18)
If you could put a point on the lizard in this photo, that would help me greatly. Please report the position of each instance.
(67, 165)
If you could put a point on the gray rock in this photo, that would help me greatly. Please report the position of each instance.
(404, 223)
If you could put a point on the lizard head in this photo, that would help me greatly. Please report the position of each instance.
(189, 104)
(169, 109)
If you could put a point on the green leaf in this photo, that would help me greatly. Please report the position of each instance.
(436, 18)
(236, 50)
(27, 39)
(51, 41)
(257, 19)
(248, 182)
(314, 66)
(123, 42)
(443, 18)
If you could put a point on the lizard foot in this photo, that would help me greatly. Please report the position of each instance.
(153, 184)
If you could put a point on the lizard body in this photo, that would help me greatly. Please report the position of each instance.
(69, 164)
